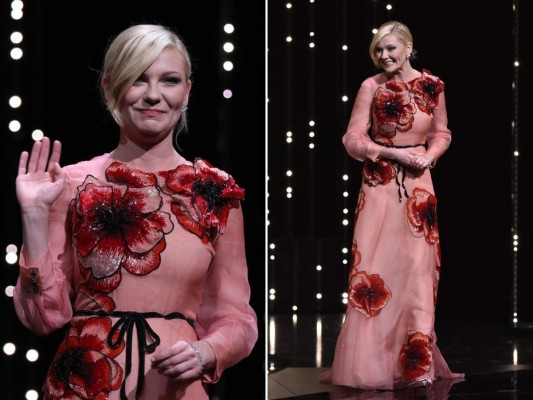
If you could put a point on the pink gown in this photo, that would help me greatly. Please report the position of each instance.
(387, 340)
(137, 261)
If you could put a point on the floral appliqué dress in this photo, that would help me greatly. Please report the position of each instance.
(387, 340)
(137, 261)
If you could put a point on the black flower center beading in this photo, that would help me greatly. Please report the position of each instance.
(70, 361)
(415, 355)
(113, 219)
(373, 166)
(391, 108)
(430, 88)
(210, 191)
(431, 216)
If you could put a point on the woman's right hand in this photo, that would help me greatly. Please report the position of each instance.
(410, 157)
(40, 179)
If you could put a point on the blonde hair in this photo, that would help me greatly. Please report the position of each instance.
(130, 53)
(398, 29)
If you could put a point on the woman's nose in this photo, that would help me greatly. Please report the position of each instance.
(152, 95)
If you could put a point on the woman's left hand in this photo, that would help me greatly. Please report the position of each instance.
(184, 360)
(420, 161)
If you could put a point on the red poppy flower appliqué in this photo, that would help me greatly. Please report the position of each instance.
(118, 224)
(203, 196)
(380, 172)
(355, 260)
(422, 215)
(88, 299)
(427, 89)
(393, 109)
(84, 366)
(368, 294)
(416, 355)
(360, 206)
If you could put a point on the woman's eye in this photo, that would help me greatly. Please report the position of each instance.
(172, 80)
(138, 81)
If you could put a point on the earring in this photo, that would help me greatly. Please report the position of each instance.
(184, 107)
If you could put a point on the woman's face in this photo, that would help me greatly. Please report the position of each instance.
(392, 54)
(153, 104)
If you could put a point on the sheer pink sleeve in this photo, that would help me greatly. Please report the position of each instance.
(356, 140)
(226, 320)
(439, 136)
(42, 292)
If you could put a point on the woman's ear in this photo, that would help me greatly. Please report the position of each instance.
(105, 90)
(189, 86)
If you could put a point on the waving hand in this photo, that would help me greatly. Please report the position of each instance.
(40, 179)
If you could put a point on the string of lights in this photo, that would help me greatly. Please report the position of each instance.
(346, 232)
(15, 349)
(313, 130)
(514, 165)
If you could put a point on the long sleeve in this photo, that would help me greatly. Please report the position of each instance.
(42, 292)
(439, 136)
(226, 320)
(356, 140)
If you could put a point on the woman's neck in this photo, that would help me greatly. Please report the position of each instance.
(158, 157)
(405, 74)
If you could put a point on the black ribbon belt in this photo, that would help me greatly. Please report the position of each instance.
(401, 168)
(124, 326)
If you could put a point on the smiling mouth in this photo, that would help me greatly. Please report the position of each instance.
(151, 113)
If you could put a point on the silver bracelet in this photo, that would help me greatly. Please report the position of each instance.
(199, 357)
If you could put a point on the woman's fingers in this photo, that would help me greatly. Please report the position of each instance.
(33, 161)
(56, 154)
(418, 161)
(179, 368)
(42, 159)
(177, 361)
(23, 163)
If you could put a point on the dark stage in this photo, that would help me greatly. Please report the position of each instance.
(497, 361)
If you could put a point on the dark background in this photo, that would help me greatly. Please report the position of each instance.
(64, 44)
(470, 45)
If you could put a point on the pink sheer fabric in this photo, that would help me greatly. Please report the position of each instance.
(387, 340)
(207, 282)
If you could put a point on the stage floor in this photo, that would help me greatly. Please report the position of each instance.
(497, 361)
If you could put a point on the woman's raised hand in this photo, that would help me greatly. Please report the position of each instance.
(40, 179)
